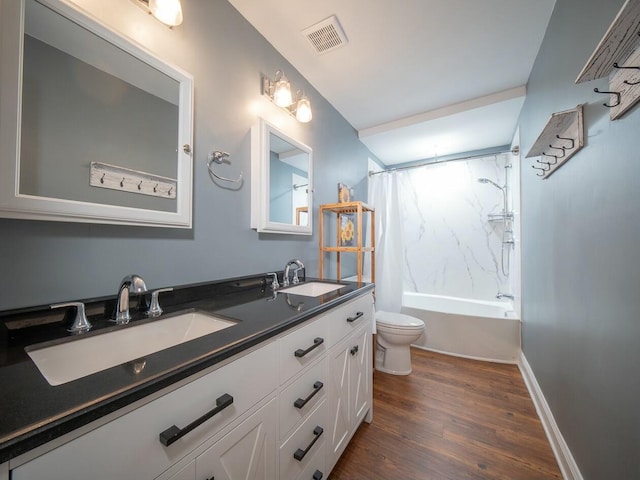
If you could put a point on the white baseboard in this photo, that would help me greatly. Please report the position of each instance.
(566, 462)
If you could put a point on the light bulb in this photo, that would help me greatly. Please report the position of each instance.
(168, 12)
(282, 93)
(303, 110)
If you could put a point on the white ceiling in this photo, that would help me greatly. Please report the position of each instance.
(417, 78)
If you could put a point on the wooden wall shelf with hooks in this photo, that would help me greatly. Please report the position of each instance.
(358, 209)
(617, 56)
(561, 138)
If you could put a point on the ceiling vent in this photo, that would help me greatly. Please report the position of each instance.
(326, 35)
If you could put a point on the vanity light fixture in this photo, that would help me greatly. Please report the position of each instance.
(168, 12)
(278, 91)
(303, 110)
(282, 90)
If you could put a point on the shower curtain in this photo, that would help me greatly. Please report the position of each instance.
(384, 197)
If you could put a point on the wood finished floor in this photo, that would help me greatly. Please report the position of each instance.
(452, 418)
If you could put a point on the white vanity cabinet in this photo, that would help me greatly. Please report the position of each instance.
(129, 446)
(297, 400)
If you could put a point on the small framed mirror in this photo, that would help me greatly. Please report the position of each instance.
(94, 127)
(281, 182)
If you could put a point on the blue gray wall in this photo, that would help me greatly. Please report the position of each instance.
(43, 262)
(581, 267)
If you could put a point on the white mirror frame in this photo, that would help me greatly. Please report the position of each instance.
(13, 204)
(260, 176)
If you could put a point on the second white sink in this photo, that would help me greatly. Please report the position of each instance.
(312, 289)
(64, 362)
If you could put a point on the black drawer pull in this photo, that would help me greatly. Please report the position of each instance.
(317, 475)
(354, 350)
(299, 454)
(356, 317)
(316, 343)
(174, 433)
(299, 403)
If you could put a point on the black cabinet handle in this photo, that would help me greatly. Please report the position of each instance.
(317, 475)
(174, 433)
(299, 403)
(354, 350)
(299, 454)
(355, 317)
(316, 343)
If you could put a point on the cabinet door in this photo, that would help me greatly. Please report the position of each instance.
(359, 376)
(248, 452)
(339, 424)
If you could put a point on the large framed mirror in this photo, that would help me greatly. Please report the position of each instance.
(281, 182)
(94, 127)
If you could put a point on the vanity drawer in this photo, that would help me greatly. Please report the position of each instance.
(307, 438)
(129, 446)
(349, 317)
(311, 385)
(302, 347)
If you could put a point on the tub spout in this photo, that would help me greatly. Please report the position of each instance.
(504, 295)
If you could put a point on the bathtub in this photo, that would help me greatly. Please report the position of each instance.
(466, 328)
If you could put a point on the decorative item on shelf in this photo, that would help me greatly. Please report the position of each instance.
(561, 138)
(168, 12)
(347, 233)
(617, 56)
(344, 193)
(278, 91)
(113, 177)
(221, 157)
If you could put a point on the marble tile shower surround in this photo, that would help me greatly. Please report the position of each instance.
(450, 247)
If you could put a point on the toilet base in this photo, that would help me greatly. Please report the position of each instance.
(393, 360)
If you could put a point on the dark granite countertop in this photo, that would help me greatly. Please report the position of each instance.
(34, 412)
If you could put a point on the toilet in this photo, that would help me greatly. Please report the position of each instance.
(395, 333)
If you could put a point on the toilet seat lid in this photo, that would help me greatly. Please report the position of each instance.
(398, 320)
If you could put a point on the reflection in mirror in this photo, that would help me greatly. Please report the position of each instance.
(288, 182)
(281, 185)
(100, 122)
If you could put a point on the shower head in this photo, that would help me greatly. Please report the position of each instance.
(486, 180)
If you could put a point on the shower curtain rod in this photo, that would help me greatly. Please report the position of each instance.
(513, 151)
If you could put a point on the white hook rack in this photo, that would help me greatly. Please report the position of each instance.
(124, 179)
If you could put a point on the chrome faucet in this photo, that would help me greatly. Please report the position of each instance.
(287, 268)
(504, 295)
(130, 284)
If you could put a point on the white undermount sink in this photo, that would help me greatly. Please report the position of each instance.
(312, 289)
(64, 362)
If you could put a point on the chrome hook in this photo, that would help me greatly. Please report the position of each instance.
(552, 156)
(617, 94)
(140, 185)
(122, 182)
(102, 178)
(573, 143)
(627, 82)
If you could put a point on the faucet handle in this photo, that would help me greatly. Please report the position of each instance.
(295, 280)
(80, 323)
(274, 285)
(154, 309)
